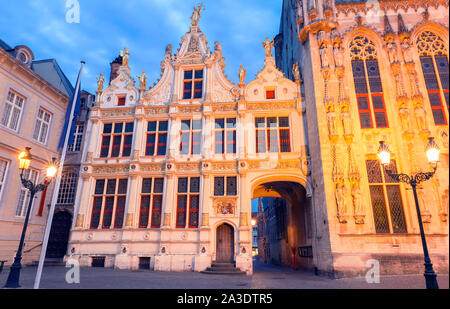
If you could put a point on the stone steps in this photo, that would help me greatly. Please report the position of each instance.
(223, 269)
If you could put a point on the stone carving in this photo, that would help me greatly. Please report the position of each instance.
(125, 54)
(225, 207)
(444, 209)
(340, 202)
(391, 49)
(357, 204)
(218, 50)
(296, 72)
(195, 18)
(406, 50)
(110, 169)
(224, 166)
(80, 220)
(100, 82)
(404, 118)
(241, 74)
(425, 212)
(331, 119)
(270, 106)
(229, 107)
(188, 166)
(161, 97)
(142, 81)
(346, 117)
(152, 168)
(324, 56)
(420, 114)
(156, 110)
(268, 46)
(117, 113)
(338, 55)
(168, 52)
(189, 109)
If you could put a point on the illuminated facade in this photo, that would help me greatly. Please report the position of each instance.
(373, 71)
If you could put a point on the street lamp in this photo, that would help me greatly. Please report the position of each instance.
(24, 164)
(432, 152)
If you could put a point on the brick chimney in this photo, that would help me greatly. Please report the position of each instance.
(115, 65)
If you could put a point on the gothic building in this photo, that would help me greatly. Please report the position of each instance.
(169, 172)
(373, 71)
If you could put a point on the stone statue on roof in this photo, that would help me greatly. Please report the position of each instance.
(100, 82)
(242, 73)
(125, 54)
(142, 81)
(268, 46)
(196, 15)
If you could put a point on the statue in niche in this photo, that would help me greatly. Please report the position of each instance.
(420, 113)
(331, 119)
(346, 119)
(340, 201)
(321, 36)
(357, 202)
(404, 118)
(406, 50)
(323, 56)
(142, 81)
(391, 48)
(426, 215)
(338, 55)
(241, 74)
(268, 46)
(444, 211)
(125, 54)
(296, 72)
(193, 45)
(100, 82)
(195, 18)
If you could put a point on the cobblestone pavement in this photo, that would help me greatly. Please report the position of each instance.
(264, 277)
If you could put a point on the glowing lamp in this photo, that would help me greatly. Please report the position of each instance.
(432, 151)
(52, 169)
(384, 154)
(253, 222)
(25, 158)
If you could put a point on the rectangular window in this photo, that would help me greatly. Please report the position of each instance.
(156, 138)
(270, 94)
(151, 202)
(225, 134)
(225, 186)
(24, 197)
(190, 137)
(369, 94)
(272, 134)
(3, 170)
(42, 126)
(109, 195)
(193, 84)
(12, 111)
(386, 199)
(188, 201)
(121, 101)
(67, 189)
(77, 138)
(437, 102)
(121, 137)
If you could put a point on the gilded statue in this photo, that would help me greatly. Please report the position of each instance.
(142, 81)
(268, 46)
(125, 54)
(241, 74)
(100, 82)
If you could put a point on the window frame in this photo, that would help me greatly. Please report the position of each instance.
(13, 107)
(225, 134)
(192, 82)
(41, 121)
(267, 134)
(3, 175)
(113, 136)
(192, 133)
(157, 133)
(188, 195)
(77, 138)
(151, 210)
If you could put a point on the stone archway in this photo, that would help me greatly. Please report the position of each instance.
(59, 235)
(285, 223)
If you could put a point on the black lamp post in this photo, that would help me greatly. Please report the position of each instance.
(25, 159)
(432, 151)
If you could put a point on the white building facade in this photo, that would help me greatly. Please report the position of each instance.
(168, 174)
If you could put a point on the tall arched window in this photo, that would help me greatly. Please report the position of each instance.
(434, 62)
(369, 91)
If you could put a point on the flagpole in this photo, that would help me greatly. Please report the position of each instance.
(37, 280)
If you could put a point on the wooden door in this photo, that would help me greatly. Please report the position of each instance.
(225, 244)
(59, 235)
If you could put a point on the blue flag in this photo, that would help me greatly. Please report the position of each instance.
(77, 112)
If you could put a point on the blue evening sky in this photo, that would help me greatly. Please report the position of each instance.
(144, 26)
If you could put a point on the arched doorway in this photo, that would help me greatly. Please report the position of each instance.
(284, 224)
(225, 244)
(59, 235)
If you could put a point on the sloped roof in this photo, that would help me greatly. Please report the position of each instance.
(51, 72)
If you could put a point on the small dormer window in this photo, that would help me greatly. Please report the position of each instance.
(270, 94)
(121, 100)
(193, 84)
(23, 57)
